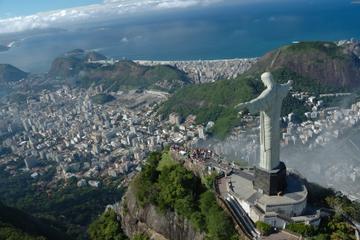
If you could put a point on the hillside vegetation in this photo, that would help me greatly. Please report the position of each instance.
(123, 74)
(78, 207)
(102, 98)
(216, 101)
(130, 75)
(173, 188)
(15, 224)
(106, 226)
(213, 102)
(320, 63)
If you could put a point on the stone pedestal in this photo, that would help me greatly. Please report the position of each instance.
(271, 182)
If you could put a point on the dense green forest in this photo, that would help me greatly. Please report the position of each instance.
(129, 75)
(213, 102)
(336, 225)
(106, 226)
(102, 98)
(8, 231)
(17, 225)
(64, 206)
(123, 74)
(330, 48)
(173, 188)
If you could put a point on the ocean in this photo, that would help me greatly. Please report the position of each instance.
(233, 31)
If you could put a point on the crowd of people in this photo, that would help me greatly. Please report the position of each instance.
(196, 154)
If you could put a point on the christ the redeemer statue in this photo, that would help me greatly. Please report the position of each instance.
(269, 105)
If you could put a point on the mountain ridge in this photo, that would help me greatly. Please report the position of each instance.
(115, 75)
(9, 73)
(15, 223)
(326, 63)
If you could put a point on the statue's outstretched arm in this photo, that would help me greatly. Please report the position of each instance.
(257, 104)
(285, 88)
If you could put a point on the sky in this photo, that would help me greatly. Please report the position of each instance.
(18, 16)
(10, 8)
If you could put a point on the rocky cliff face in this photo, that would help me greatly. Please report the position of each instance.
(71, 63)
(324, 62)
(160, 226)
(66, 67)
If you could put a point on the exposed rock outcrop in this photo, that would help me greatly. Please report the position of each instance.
(324, 62)
(158, 225)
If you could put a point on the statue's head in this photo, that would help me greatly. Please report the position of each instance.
(267, 79)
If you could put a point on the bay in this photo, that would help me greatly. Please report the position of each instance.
(231, 31)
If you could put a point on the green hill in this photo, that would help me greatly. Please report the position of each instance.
(216, 102)
(106, 226)
(129, 75)
(316, 67)
(102, 98)
(65, 206)
(175, 189)
(213, 102)
(72, 62)
(123, 74)
(317, 64)
(15, 224)
(9, 73)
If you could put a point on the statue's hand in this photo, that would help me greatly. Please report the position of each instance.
(288, 85)
(241, 106)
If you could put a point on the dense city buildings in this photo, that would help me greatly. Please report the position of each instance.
(203, 71)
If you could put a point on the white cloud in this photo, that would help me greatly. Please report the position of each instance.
(109, 9)
(125, 40)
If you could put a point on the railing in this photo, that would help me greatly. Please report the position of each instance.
(226, 206)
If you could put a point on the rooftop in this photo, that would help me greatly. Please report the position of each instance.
(243, 187)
